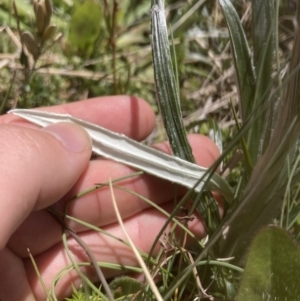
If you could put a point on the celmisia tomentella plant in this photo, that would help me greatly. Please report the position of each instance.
(274, 125)
(264, 178)
(269, 129)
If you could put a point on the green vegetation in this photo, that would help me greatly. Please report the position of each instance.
(232, 71)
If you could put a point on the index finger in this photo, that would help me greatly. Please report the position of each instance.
(128, 115)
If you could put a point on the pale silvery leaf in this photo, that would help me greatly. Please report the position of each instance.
(122, 149)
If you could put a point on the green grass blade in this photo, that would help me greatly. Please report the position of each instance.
(166, 85)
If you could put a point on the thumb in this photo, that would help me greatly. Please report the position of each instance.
(37, 168)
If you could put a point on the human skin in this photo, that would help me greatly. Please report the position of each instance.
(46, 167)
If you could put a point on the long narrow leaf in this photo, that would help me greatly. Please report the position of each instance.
(241, 57)
(169, 102)
(122, 149)
(166, 85)
(263, 20)
(254, 80)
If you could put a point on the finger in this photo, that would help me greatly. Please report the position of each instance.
(142, 228)
(38, 167)
(13, 279)
(96, 208)
(204, 149)
(128, 115)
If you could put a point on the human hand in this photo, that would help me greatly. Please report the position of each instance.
(39, 170)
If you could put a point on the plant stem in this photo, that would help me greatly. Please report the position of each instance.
(113, 43)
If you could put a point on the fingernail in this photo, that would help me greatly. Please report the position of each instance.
(73, 137)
